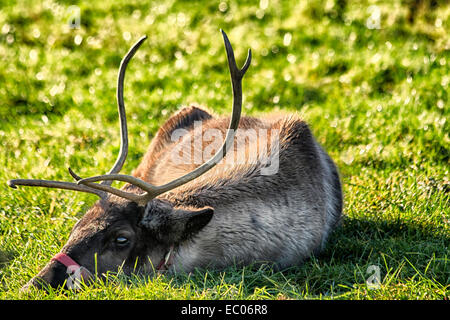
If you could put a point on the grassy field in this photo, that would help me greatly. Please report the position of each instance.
(371, 77)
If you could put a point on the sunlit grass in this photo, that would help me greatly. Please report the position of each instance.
(376, 98)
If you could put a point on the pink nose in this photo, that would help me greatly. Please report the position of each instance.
(75, 272)
(65, 260)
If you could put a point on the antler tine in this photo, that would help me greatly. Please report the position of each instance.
(121, 106)
(153, 191)
(55, 184)
(123, 153)
(98, 189)
(234, 70)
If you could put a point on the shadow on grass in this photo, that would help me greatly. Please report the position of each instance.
(5, 257)
(400, 250)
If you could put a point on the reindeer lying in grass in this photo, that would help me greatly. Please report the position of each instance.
(278, 206)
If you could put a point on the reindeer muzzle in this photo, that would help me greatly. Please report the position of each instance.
(76, 272)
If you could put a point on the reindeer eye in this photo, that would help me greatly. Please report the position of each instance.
(121, 241)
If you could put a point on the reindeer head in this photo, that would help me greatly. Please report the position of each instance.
(130, 228)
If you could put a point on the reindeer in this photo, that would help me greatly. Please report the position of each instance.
(172, 216)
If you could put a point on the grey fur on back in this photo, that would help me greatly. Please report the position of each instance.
(281, 218)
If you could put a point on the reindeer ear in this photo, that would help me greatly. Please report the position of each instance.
(194, 221)
(176, 225)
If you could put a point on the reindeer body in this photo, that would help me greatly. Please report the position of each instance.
(280, 218)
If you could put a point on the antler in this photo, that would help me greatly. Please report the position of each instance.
(122, 115)
(151, 191)
(104, 188)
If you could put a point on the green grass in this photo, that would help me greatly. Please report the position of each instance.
(376, 99)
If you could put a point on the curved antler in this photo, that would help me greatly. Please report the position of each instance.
(152, 191)
(121, 105)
